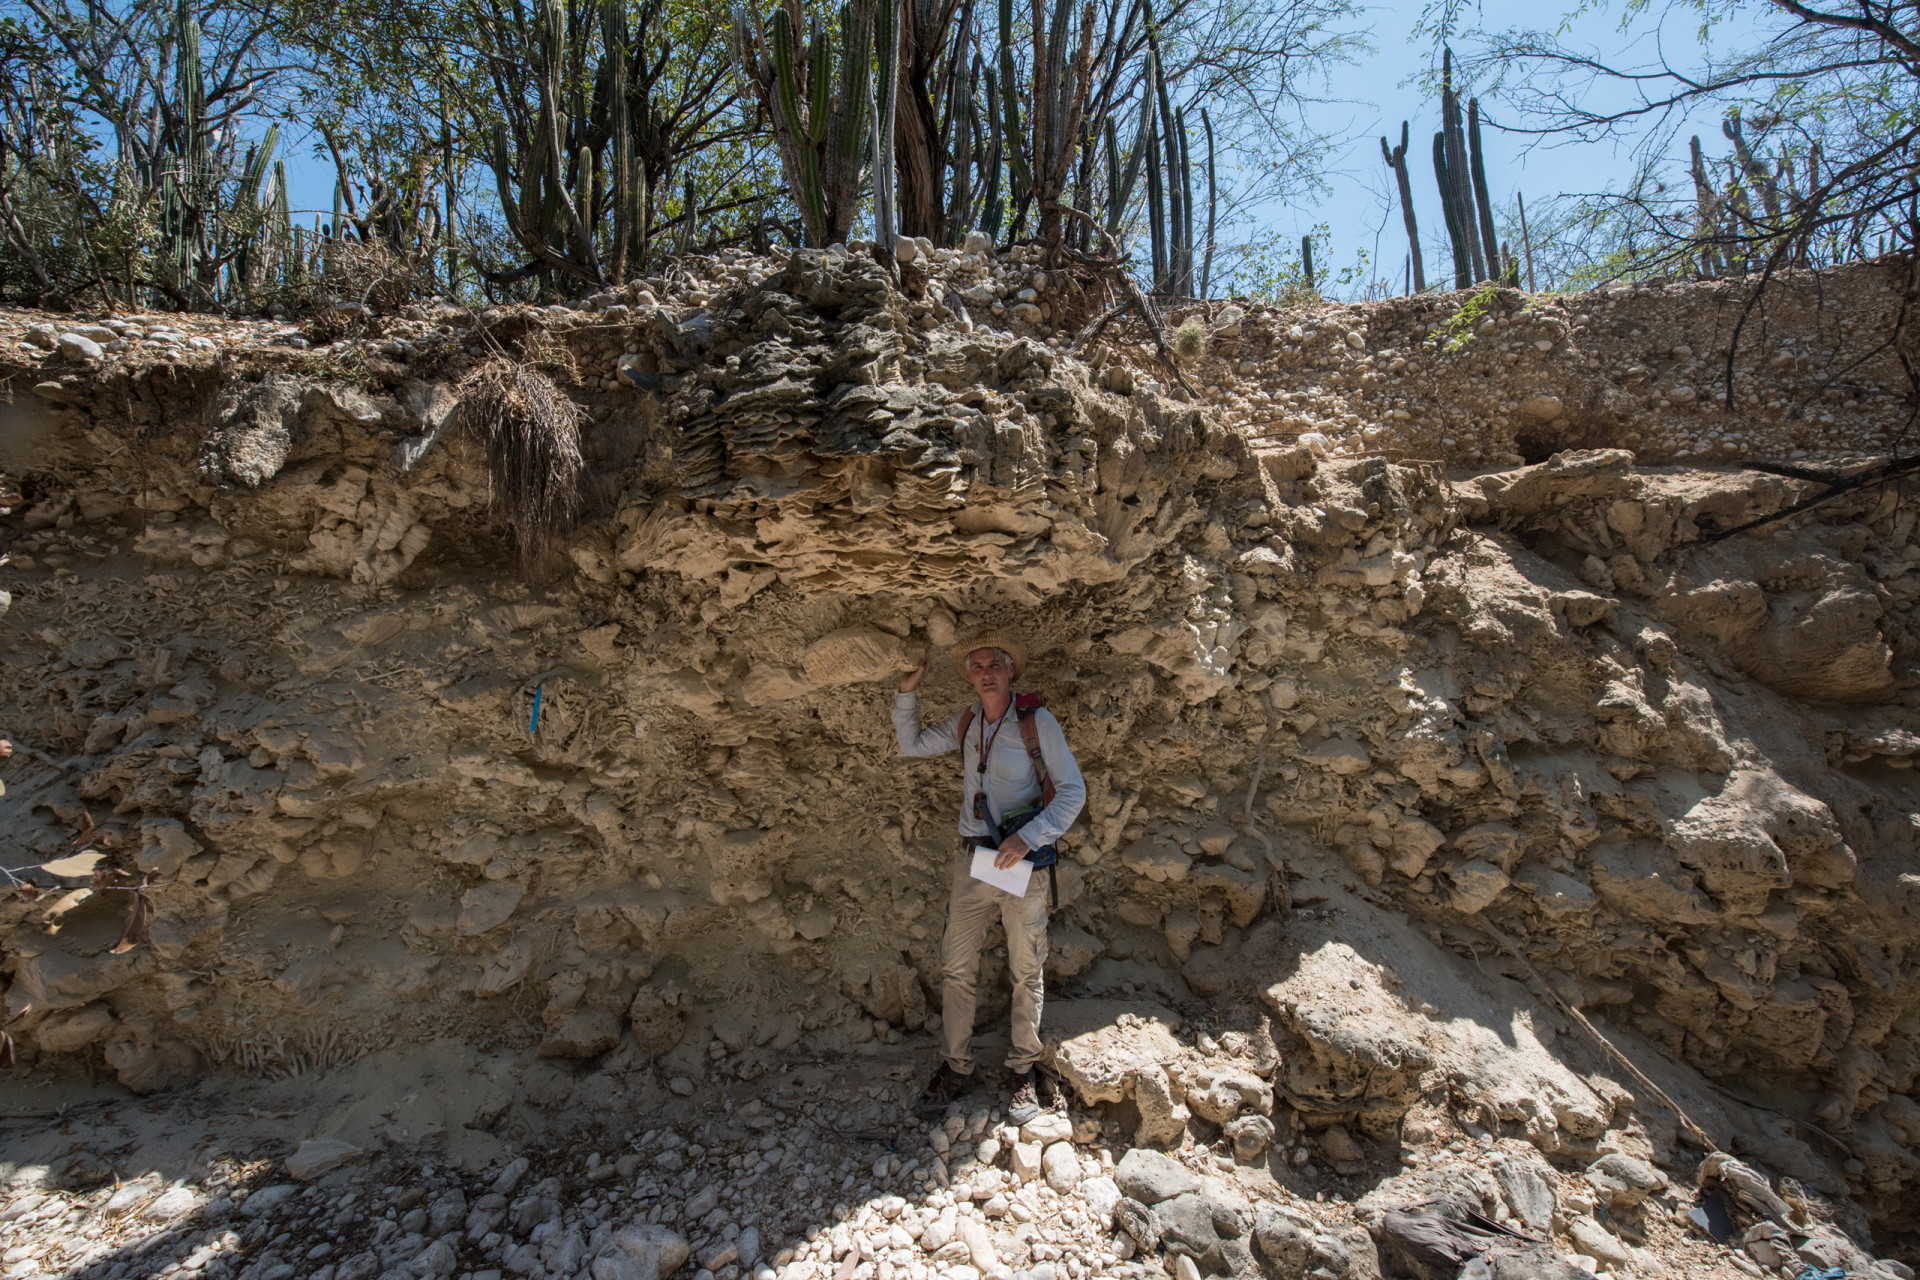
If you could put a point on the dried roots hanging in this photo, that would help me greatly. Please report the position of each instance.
(531, 432)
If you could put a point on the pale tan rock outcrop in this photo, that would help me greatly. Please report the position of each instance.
(268, 634)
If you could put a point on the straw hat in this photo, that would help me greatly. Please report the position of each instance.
(990, 638)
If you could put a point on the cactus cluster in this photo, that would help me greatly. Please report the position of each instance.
(542, 206)
(183, 180)
(1162, 149)
(574, 181)
(820, 98)
(1460, 171)
(1039, 148)
(222, 233)
(1059, 91)
(1459, 167)
(1008, 137)
(1166, 144)
(1758, 192)
(1013, 131)
(1169, 201)
(965, 129)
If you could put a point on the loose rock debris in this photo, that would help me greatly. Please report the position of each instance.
(271, 651)
(851, 1183)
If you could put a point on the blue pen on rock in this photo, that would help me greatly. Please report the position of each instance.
(535, 726)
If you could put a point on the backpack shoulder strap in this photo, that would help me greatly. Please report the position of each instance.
(1030, 734)
(966, 720)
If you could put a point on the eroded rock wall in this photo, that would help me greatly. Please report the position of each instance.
(1500, 377)
(269, 650)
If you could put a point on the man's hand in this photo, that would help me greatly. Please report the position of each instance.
(911, 681)
(1012, 849)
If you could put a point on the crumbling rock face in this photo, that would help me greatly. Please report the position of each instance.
(1102, 1047)
(1346, 721)
(1353, 1051)
(826, 453)
(1800, 619)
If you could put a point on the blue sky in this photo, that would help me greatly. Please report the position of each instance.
(1362, 210)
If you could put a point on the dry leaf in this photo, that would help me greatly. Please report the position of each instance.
(86, 828)
(139, 916)
(63, 904)
(74, 864)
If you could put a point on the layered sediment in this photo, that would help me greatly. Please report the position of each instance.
(1417, 701)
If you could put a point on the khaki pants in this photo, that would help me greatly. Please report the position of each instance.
(970, 912)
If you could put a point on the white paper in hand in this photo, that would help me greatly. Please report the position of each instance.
(1013, 879)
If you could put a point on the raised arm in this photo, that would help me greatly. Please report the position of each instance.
(914, 740)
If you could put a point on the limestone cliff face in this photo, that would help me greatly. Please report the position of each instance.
(268, 651)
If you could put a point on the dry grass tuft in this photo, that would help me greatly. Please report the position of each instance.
(531, 432)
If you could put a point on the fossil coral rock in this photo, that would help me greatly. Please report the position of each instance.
(1374, 648)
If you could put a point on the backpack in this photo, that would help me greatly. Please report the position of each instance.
(1024, 705)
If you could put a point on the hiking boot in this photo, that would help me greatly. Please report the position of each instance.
(946, 1085)
(1023, 1102)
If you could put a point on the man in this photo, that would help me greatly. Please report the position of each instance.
(997, 779)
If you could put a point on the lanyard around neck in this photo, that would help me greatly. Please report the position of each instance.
(986, 743)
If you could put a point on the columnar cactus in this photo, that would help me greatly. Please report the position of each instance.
(1459, 166)
(1450, 210)
(822, 136)
(1489, 240)
(1396, 158)
(886, 92)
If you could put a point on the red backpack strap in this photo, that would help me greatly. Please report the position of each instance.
(1030, 732)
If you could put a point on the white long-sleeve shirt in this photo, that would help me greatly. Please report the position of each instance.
(1009, 778)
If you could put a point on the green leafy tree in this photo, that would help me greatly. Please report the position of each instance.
(597, 136)
(1275, 267)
